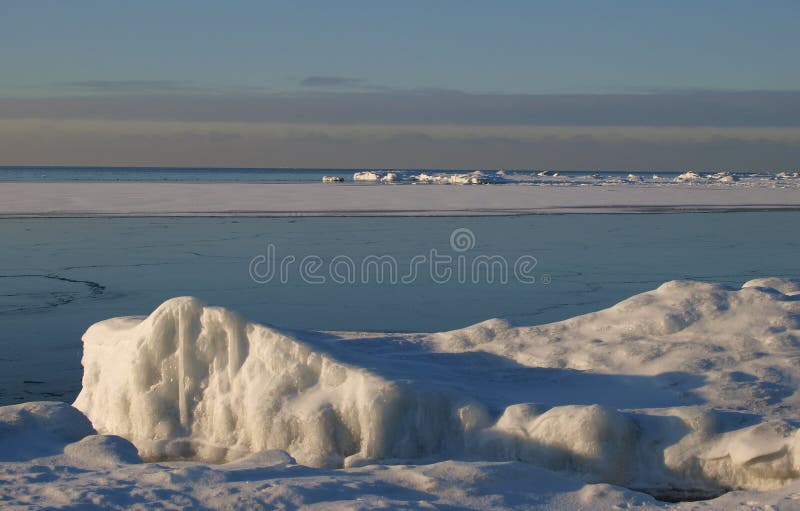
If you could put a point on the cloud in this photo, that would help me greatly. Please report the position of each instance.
(130, 86)
(172, 123)
(70, 142)
(332, 82)
(701, 108)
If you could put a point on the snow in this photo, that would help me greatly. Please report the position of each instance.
(442, 178)
(549, 195)
(552, 178)
(686, 391)
(595, 441)
(723, 177)
(688, 176)
(367, 176)
(39, 428)
(101, 450)
(471, 178)
(378, 176)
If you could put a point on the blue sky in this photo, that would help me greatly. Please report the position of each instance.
(291, 70)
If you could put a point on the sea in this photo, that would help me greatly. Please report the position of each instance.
(384, 274)
(217, 175)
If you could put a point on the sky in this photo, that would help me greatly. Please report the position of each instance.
(415, 84)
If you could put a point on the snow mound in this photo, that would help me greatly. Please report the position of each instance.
(366, 176)
(724, 177)
(763, 456)
(594, 441)
(55, 418)
(103, 450)
(269, 458)
(688, 176)
(33, 429)
(472, 178)
(672, 328)
(378, 176)
(442, 178)
(715, 177)
(787, 287)
(630, 395)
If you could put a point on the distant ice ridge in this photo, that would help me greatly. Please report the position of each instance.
(549, 177)
(720, 177)
(688, 388)
(378, 176)
(472, 178)
(469, 178)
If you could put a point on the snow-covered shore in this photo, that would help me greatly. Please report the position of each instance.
(688, 391)
(54, 199)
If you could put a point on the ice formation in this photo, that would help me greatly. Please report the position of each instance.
(470, 178)
(367, 175)
(686, 388)
(688, 176)
(197, 382)
(549, 177)
(332, 179)
(684, 392)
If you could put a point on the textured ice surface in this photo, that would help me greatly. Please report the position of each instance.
(196, 382)
(687, 391)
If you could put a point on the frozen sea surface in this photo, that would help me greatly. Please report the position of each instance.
(61, 275)
(379, 198)
(248, 175)
(289, 175)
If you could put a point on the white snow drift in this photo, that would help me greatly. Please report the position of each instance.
(199, 382)
(687, 391)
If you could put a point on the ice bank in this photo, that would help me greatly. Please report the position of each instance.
(199, 382)
(690, 389)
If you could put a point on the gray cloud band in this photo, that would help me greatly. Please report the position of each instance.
(703, 108)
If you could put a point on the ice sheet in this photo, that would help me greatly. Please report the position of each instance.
(322, 199)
